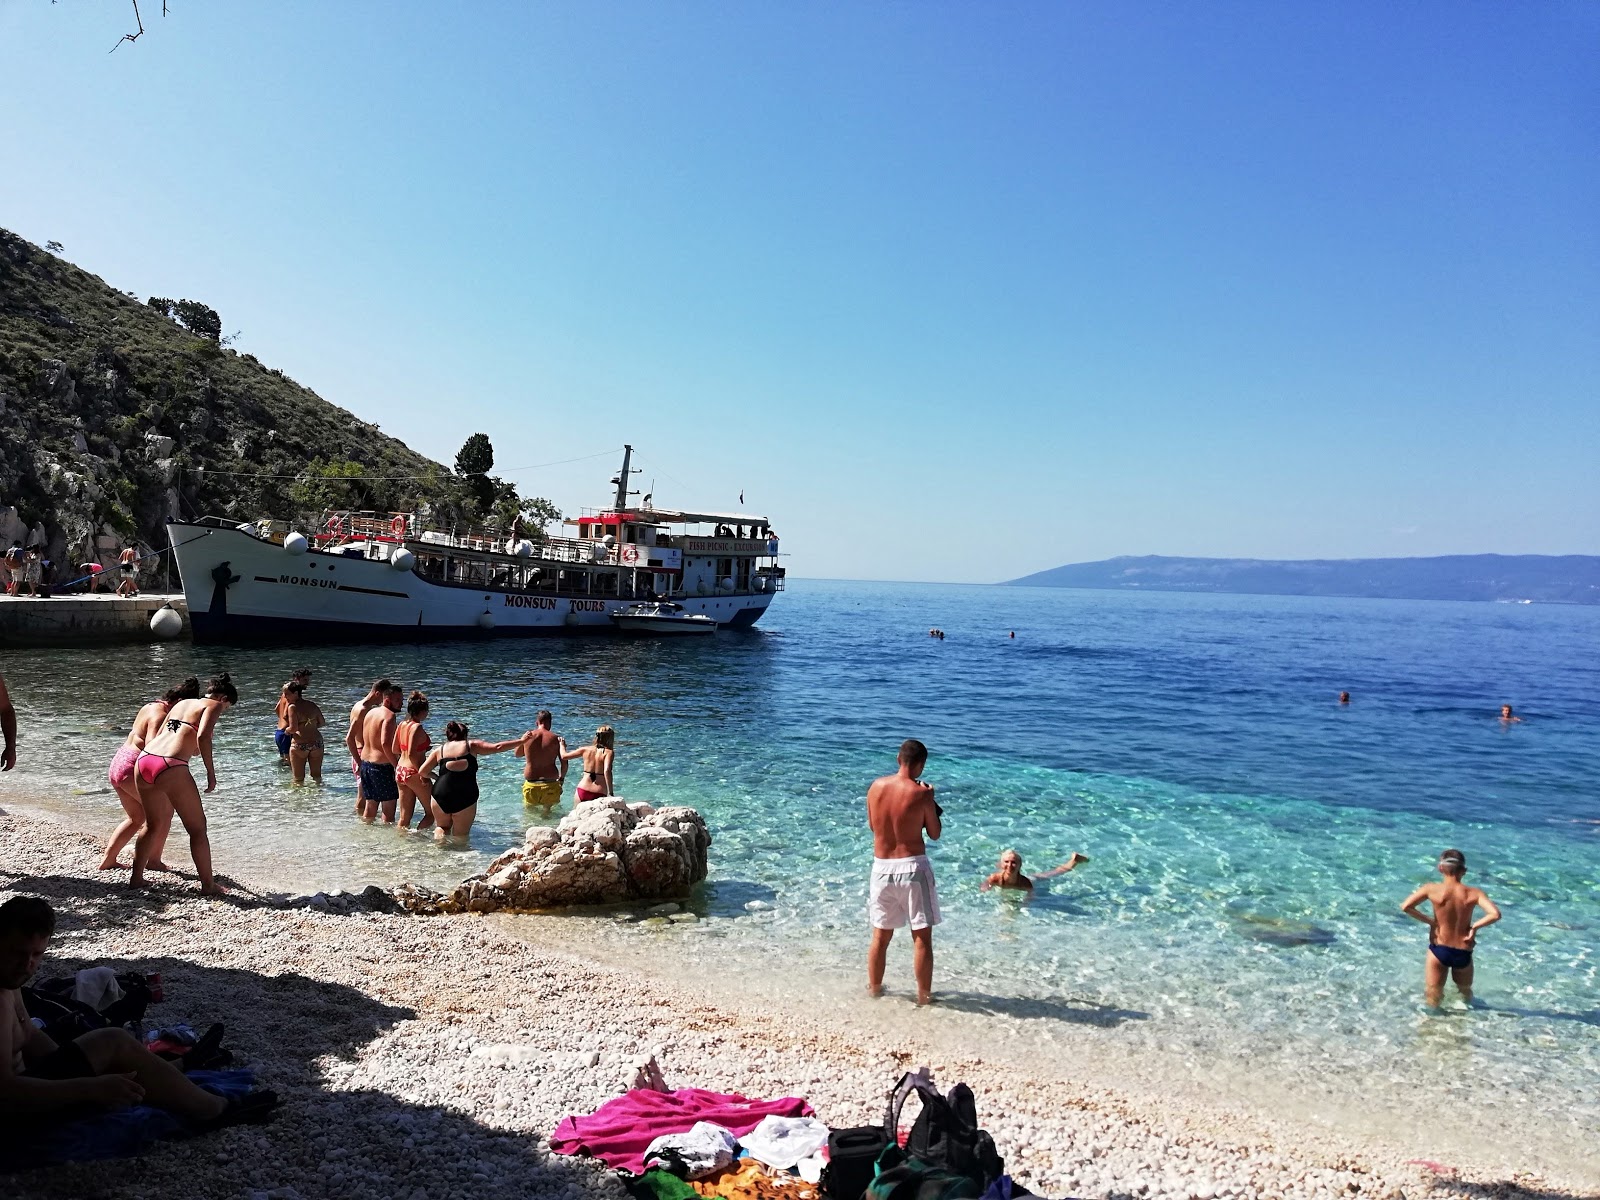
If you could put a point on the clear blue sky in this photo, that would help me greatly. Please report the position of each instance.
(952, 291)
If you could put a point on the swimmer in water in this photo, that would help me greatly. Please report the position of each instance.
(1344, 697)
(1010, 873)
(1507, 717)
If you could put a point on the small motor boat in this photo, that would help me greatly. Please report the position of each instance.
(661, 617)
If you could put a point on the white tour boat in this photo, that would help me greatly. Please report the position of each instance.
(366, 576)
(665, 617)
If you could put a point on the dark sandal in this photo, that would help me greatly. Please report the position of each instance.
(255, 1108)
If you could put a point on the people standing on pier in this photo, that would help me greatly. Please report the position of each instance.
(379, 759)
(544, 768)
(412, 742)
(455, 786)
(8, 728)
(33, 568)
(1452, 933)
(121, 776)
(352, 736)
(598, 758)
(128, 572)
(166, 785)
(16, 568)
(305, 733)
(900, 810)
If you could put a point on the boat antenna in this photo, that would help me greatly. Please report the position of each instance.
(622, 478)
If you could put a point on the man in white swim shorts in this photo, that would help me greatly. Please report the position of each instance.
(900, 810)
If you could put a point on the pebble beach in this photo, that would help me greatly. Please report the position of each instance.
(430, 1058)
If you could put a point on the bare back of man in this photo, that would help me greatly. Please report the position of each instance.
(541, 751)
(901, 812)
(1452, 931)
(379, 788)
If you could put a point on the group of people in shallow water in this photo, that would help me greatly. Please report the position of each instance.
(399, 769)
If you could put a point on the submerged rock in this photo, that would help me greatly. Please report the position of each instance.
(603, 852)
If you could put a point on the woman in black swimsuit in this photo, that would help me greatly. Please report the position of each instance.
(455, 787)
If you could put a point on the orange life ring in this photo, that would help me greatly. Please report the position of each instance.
(398, 527)
(630, 554)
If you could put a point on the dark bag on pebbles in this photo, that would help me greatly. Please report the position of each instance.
(852, 1158)
(945, 1135)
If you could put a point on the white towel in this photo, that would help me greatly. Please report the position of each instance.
(97, 987)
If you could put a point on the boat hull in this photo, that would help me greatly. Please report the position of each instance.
(268, 594)
(663, 626)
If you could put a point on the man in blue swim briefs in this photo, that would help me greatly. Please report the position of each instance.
(379, 756)
(1452, 933)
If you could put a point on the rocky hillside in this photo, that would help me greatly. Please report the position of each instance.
(115, 416)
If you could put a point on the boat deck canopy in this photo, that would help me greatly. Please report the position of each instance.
(664, 516)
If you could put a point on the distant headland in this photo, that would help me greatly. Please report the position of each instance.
(1536, 578)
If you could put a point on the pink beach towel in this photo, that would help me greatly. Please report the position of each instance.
(620, 1130)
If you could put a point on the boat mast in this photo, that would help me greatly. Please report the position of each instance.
(622, 479)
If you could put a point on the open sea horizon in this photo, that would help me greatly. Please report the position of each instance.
(1250, 840)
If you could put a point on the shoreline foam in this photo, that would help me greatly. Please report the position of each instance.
(424, 1058)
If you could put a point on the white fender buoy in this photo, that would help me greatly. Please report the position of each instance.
(727, 583)
(295, 543)
(701, 589)
(402, 559)
(523, 549)
(610, 540)
(570, 619)
(760, 583)
(485, 620)
(165, 622)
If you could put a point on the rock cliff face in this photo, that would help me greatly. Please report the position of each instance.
(603, 852)
(115, 418)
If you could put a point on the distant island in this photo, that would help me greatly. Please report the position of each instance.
(1540, 578)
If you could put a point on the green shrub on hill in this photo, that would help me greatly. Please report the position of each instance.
(116, 416)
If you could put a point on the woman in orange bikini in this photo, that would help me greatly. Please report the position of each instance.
(166, 786)
(412, 742)
(120, 775)
(597, 760)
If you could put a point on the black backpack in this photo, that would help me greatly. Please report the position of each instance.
(65, 1019)
(945, 1135)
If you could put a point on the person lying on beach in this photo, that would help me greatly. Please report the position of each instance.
(1452, 933)
(8, 728)
(455, 789)
(120, 775)
(1010, 873)
(102, 1070)
(161, 773)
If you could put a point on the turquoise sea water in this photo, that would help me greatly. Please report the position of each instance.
(1250, 839)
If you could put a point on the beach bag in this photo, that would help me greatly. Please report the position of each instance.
(945, 1135)
(852, 1160)
(903, 1178)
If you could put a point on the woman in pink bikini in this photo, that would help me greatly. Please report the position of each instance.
(412, 742)
(166, 786)
(597, 760)
(121, 773)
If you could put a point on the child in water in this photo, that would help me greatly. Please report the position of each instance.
(1010, 873)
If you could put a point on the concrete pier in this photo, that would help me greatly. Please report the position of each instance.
(83, 620)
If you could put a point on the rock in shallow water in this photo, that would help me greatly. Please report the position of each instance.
(602, 852)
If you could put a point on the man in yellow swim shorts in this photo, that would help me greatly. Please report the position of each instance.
(544, 769)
